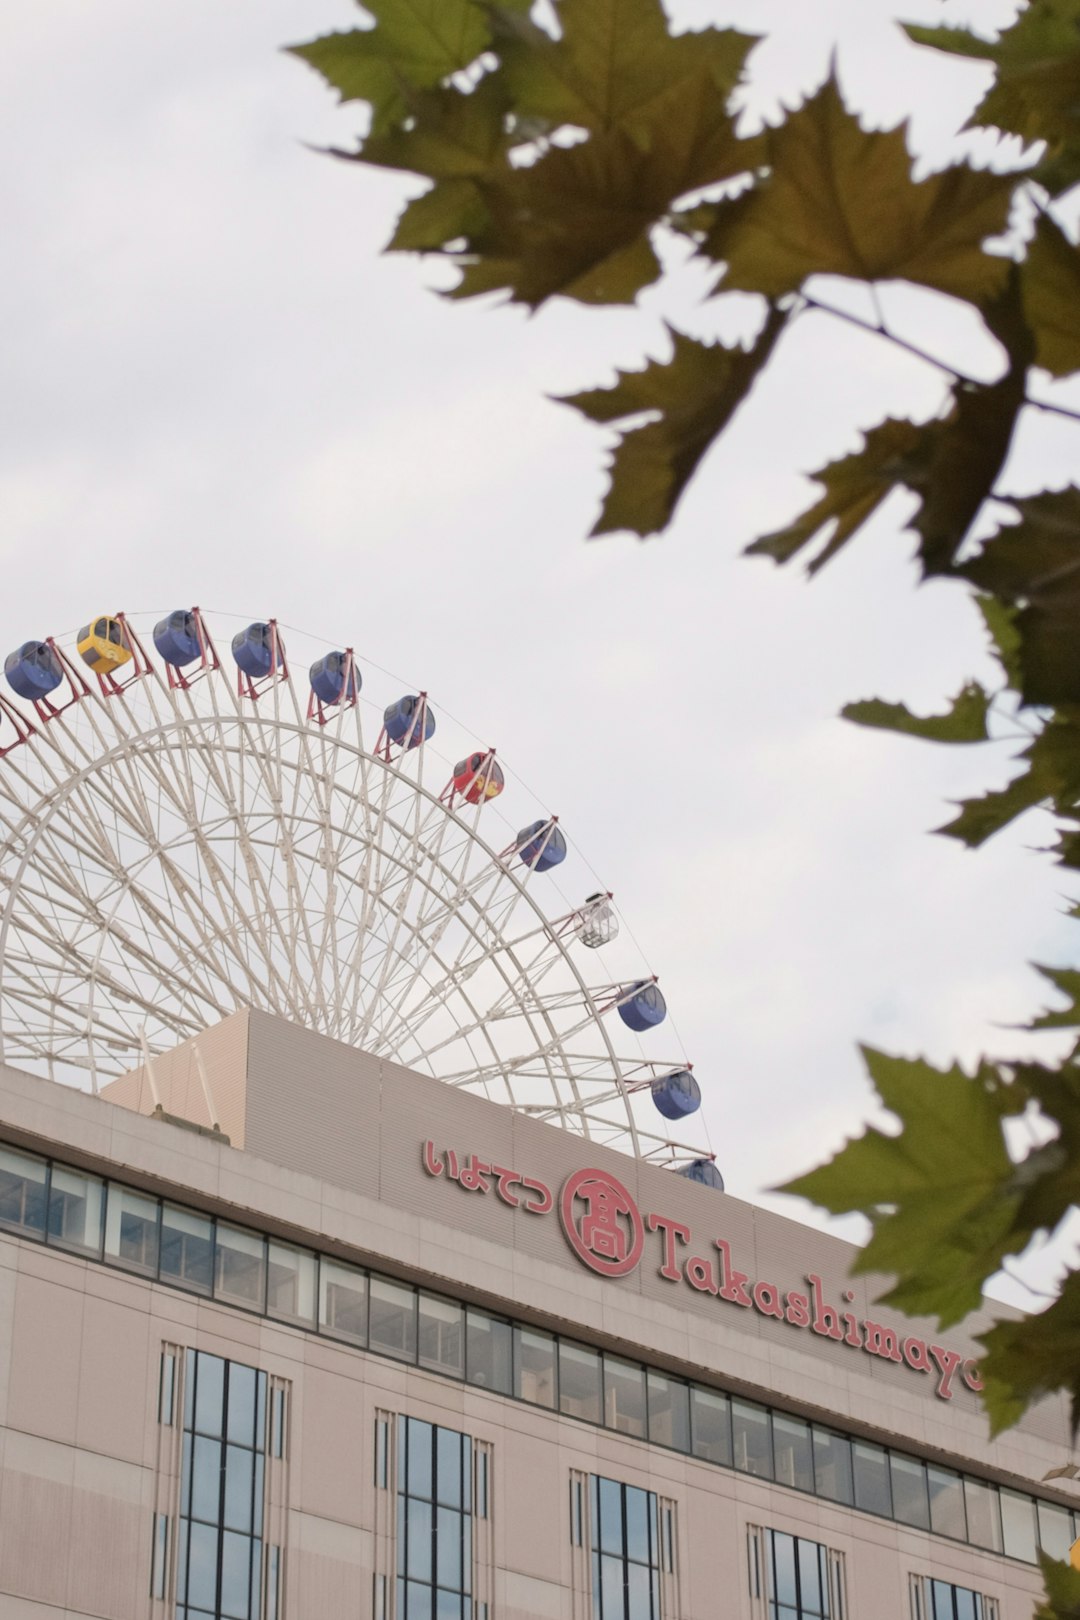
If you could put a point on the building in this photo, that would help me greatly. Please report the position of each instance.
(375, 1349)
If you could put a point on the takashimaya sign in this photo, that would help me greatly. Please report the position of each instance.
(609, 1234)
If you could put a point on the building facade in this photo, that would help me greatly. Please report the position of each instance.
(291, 1333)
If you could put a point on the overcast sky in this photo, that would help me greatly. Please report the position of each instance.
(217, 391)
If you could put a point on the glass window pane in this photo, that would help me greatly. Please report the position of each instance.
(131, 1230)
(343, 1300)
(983, 1514)
(910, 1502)
(579, 1381)
(534, 1366)
(202, 1567)
(1055, 1530)
(241, 1425)
(783, 1551)
(442, 1335)
(418, 1598)
(1018, 1526)
(947, 1517)
(751, 1443)
(239, 1482)
(235, 1576)
(187, 1248)
(22, 1191)
(809, 1577)
(710, 1425)
(624, 1396)
(420, 1542)
(792, 1453)
(489, 1356)
(669, 1411)
(871, 1471)
(832, 1465)
(75, 1206)
(448, 1467)
(447, 1605)
(393, 1318)
(240, 1267)
(448, 1523)
(206, 1480)
(611, 1588)
(290, 1283)
(610, 1499)
(419, 1444)
(209, 1393)
(942, 1595)
(639, 1534)
(965, 1603)
(638, 1592)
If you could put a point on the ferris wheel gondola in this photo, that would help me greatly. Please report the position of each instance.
(176, 844)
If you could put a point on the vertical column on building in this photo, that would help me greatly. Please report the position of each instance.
(483, 1529)
(170, 1446)
(581, 1540)
(757, 1553)
(276, 1599)
(384, 1564)
(670, 1595)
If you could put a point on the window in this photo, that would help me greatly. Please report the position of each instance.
(983, 1514)
(187, 1249)
(1018, 1525)
(910, 1502)
(625, 1551)
(442, 1335)
(794, 1459)
(131, 1230)
(393, 1318)
(290, 1283)
(947, 1516)
(669, 1411)
(710, 1425)
(488, 1351)
(832, 1466)
(579, 1381)
(871, 1470)
(75, 1206)
(751, 1439)
(343, 1300)
(534, 1366)
(797, 1579)
(435, 1513)
(939, 1600)
(22, 1192)
(220, 1552)
(240, 1267)
(1055, 1530)
(624, 1396)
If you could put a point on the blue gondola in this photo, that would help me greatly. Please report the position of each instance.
(327, 676)
(645, 1009)
(176, 638)
(254, 650)
(398, 719)
(539, 849)
(33, 670)
(677, 1094)
(704, 1172)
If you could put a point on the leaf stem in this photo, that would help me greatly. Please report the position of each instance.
(882, 331)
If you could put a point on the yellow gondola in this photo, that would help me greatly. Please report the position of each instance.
(103, 645)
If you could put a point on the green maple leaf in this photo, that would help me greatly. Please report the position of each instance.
(1052, 778)
(840, 200)
(1062, 1591)
(854, 488)
(691, 398)
(1067, 980)
(577, 222)
(1051, 283)
(1035, 566)
(613, 63)
(1036, 88)
(964, 721)
(414, 45)
(1034, 1357)
(940, 1193)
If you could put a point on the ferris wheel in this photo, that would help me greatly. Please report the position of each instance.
(184, 836)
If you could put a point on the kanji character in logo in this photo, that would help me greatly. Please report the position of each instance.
(609, 1235)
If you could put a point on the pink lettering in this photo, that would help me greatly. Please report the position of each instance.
(916, 1355)
(798, 1309)
(949, 1361)
(432, 1165)
(732, 1282)
(504, 1180)
(767, 1300)
(671, 1230)
(700, 1275)
(544, 1202)
(882, 1341)
(972, 1377)
(826, 1321)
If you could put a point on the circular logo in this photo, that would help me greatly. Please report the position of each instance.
(602, 1223)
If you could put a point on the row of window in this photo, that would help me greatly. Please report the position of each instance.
(169, 1243)
(442, 1485)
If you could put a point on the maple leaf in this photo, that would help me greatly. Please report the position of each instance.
(1035, 565)
(1051, 283)
(964, 721)
(840, 200)
(855, 487)
(577, 221)
(1036, 89)
(941, 1190)
(612, 64)
(1033, 1357)
(414, 45)
(692, 397)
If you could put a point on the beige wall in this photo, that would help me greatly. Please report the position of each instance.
(333, 1157)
